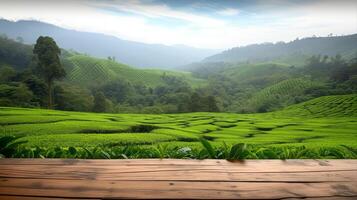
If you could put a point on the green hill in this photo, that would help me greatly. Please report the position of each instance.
(280, 94)
(85, 70)
(262, 74)
(326, 106)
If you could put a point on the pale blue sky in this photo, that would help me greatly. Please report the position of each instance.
(202, 23)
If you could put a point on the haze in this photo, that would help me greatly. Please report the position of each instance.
(203, 24)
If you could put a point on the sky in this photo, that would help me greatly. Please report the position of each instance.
(219, 24)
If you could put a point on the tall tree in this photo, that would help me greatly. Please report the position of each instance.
(49, 64)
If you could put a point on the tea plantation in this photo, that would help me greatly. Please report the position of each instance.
(85, 70)
(329, 121)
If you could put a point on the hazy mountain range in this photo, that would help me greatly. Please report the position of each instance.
(179, 56)
(100, 45)
(291, 52)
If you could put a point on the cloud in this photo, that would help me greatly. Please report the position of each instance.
(160, 11)
(161, 23)
(228, 12)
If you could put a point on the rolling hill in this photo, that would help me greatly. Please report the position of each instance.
(326, 106)
(262, 74)
(85, 70)
(280, 94)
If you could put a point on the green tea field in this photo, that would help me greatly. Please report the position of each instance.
(329, 121)
(85, 70)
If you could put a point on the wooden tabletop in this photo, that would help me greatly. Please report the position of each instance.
(177, 179)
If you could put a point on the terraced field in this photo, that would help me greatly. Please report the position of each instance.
(252, 73)
(326, 121)
(87, 70)
(287, 88)
(327, 106)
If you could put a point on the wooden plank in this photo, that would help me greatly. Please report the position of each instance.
(154, 178)
(173, 173)
(7, 197)
(172, 189)
(302, 162)
(248, 165)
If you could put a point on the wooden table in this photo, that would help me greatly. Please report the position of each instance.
(178, 179)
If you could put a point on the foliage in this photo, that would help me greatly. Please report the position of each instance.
(16, 94)
(72, 98)
(14, 53)
(49, 66)
(240, 151)
(100, 104)
(202, 103)
(9, 146)
(6, 74)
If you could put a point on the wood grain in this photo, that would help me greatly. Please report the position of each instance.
(177, 179)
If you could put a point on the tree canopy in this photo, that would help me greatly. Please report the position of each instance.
(49, 65)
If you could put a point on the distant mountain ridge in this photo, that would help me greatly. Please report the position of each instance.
(298, 49)
(100, 45)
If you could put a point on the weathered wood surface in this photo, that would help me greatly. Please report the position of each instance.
(177, 179)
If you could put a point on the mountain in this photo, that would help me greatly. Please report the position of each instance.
(293, 52)
(100, 45)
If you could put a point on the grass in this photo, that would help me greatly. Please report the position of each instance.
(322, 124)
